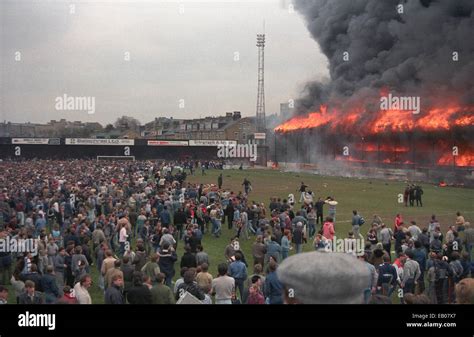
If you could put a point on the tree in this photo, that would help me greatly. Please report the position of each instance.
(109, 127)
(127, 123)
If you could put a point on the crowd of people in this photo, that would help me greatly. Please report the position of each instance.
(126, 219)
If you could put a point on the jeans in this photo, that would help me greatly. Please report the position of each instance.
(299, 248)
(122, 249)
(251, 227)
(284, 254)
(216, 227)
(387, 289)
(168, 280)
(239, 284)
(356, 231)
(101, 284)
(332, 214)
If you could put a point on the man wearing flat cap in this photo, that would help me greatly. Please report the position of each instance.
(324, 278)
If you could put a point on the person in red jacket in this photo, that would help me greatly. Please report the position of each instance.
(69, 297)
(328, 229)
(398, 222)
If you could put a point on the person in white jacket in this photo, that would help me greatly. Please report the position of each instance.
(81, 290)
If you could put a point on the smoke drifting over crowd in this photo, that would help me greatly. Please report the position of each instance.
(372, 47)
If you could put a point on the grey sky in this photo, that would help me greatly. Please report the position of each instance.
(173, 55)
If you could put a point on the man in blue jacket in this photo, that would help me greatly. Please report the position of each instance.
(273, 286)
(165, 217)
(419, 255)
(49, 285)
(273, 250)
(166, 263)
(387, 280)
(238, 271)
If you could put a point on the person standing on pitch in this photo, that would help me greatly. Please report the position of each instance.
(302, 191)
(219, 181)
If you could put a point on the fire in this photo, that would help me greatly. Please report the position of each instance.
(382, 148)
(465, 121)
(393, 120)
(437, 118)
(389, 161)
(466, 159)
(356, 121)
(310, 121)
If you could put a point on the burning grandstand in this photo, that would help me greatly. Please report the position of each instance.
(416, 50)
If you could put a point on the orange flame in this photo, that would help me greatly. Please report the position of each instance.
(438, 118)
(310, 121)
(466, 159)
(382, 148)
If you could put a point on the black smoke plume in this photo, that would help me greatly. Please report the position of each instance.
(409, 53)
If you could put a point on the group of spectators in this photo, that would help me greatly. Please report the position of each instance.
(413, 193)
(126, 220)
(428, 263)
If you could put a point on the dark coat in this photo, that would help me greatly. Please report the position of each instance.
(127, 271)
(139, 295)
(192, 288)
(179, 218)
(37, 299)
(166, 263)
(273, 288)
(113, 295)
(36, 278)
(49, 285)
(188, 260)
